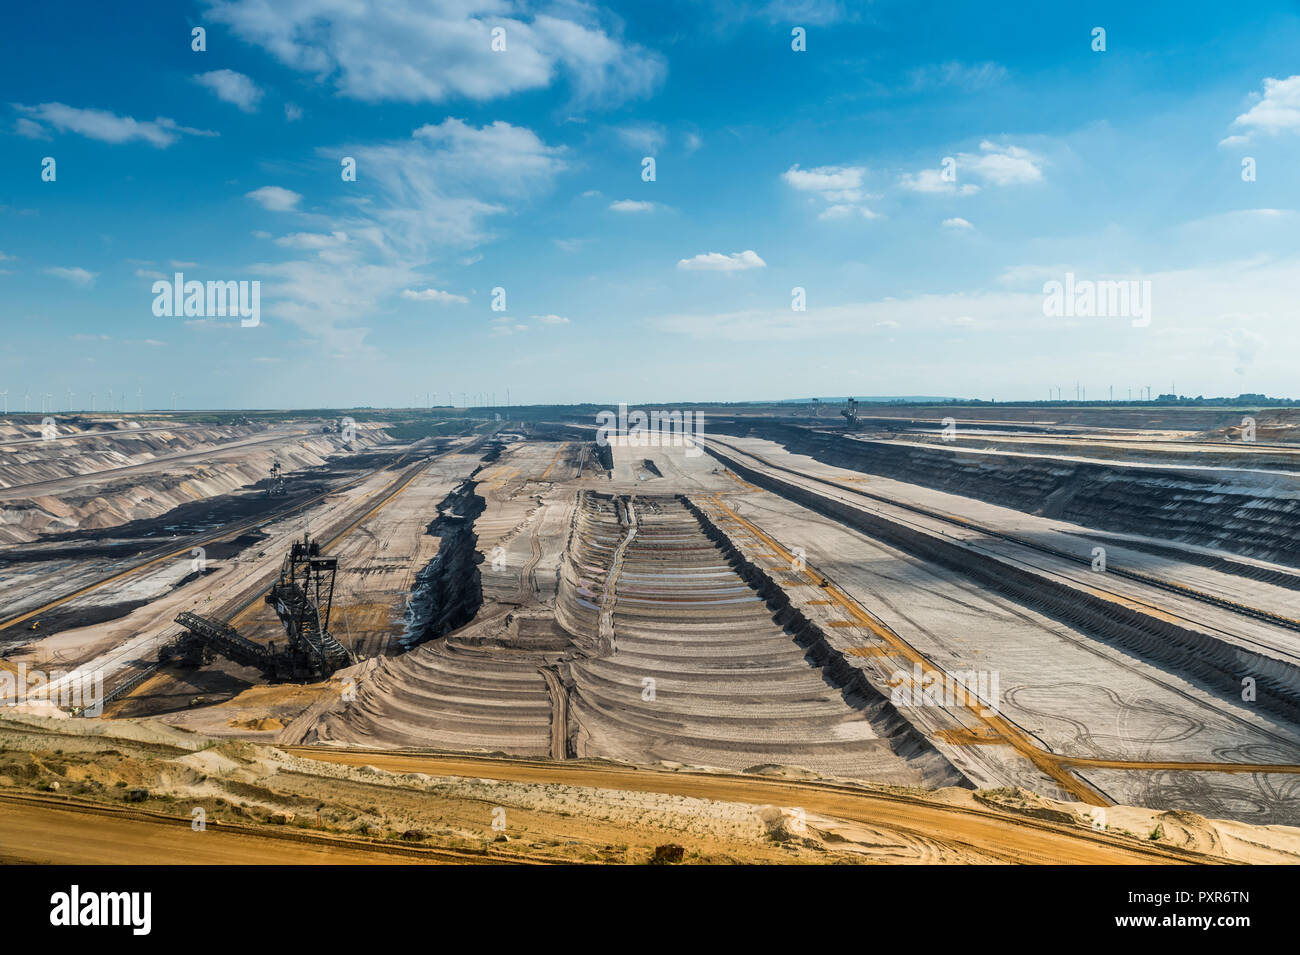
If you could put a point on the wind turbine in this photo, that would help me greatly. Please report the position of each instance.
(69, 400)
(26, 397)
(5, 394)
(139, 398)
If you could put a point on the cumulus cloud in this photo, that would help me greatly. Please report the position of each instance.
(1276, 110)
(440, 186)
(957, 223)
(631, 205)
(933, 181)
(836, 179)
(551, 319)
(839, 186)
(418, 51)
(292, 112)
(434, 295)
(718, 262)
(994, 165)
(102, 125)
(232, 87)
(75, 275)
(431, 192)
(1002, 165)
(275, 198)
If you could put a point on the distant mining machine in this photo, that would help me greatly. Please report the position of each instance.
(850, 413)
(277, 488)
(302, 597)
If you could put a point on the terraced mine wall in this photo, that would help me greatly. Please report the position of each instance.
(1256, 518)
(114, 500)
(1218, 664)
(904, 739)
(448, 592)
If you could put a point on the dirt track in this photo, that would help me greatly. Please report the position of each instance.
(1003, 836)
(58, 832)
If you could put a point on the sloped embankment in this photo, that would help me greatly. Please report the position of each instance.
(105, 498)
(904, 738)
(705, 665)
(1216, 659)
(1240, 511)
(448, 591)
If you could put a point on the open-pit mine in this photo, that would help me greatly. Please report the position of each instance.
(772, 633)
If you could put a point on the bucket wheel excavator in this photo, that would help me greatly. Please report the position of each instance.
(303, 597)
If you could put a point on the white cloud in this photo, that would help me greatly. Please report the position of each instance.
(551, 319)
(104, 126)
(974, 76)
(718, 262)
(1234, 140)
(840, 186)
(150, 274)
(292, 112)
(275, 198)
(824, 178)
(1226, 325)
(844, 211)
(631, 205)
(426, 194)
(1001, 165)
(314, 241)
(957, 223)
(438, 187)
(993, 165)
(807, 12)
(77, 276)
(645, 138)
(232, 87)
(414, 51)
(504, 325)
(1277, 109)
(434, 295)
(932, 181)
(30, 130)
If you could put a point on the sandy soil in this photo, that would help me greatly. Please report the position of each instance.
(129, 791)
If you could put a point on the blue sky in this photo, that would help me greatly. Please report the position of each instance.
(522, 169)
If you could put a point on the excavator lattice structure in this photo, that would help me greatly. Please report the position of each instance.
(302, 597)
(850, 414)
